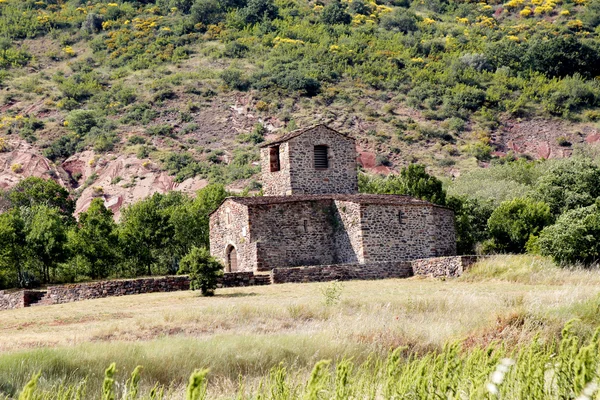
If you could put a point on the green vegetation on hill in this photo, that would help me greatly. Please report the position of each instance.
(99, 70)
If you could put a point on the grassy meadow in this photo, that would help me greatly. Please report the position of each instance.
(241, 334)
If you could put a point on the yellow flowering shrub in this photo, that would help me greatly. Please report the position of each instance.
(16, 168)
(526, 12)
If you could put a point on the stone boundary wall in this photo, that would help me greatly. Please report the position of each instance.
(19, 299)
(95, 290)
(436, 267)
(342, 272)
(443, 266)
(10, 300)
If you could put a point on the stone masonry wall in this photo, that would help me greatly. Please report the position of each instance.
(229, 227)
(406, 232)
(340, 177)
(276, 183)
(436, 267)
(443, 266)
(292, 234)
(10, 300)
(347, 232)
(342, 272)
(95, 290)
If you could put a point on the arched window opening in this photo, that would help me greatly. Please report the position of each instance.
(232, 262)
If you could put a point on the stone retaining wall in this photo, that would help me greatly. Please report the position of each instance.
(18, 299)
(443, 266)
(342, 272)
(10, 300)
(95, 290)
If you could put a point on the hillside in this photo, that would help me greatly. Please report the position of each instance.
(121, 99)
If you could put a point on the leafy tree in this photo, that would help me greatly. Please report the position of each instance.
(34, 191)
(574, 237)
(204, 270)
(191, 220)
(94, 242)
(562, 56)
(470, 216)
(45, 239)
(335, 13)
(207, 12)
(12, 248)
(412, 181)
(514, 222)
(569, 184)
(146, 234)
(258, 10)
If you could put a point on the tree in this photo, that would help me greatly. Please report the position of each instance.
(335, 13)
(470, 220)
(562, 56)
(146, 234)
(94, 242)
(569, 184)
(515, 221)
(574, 237)
(412, 181)
(207, 12)
(191, 220)
(45, 239)
(258, 10)
(12, 248)
(34, 191)
(204, 270)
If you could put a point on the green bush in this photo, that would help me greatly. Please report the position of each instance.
(400, 20)
(514, 222)
(574, 237)
(203, 269)
(335, 13)
(569, 184)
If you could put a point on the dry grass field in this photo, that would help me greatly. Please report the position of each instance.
(246, 331)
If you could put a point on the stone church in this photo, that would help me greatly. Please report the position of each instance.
(312, 214)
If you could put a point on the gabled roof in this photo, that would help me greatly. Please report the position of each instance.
(360, 198)
(298, 132)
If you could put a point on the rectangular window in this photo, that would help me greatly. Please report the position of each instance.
(274, 158)
(321, 160)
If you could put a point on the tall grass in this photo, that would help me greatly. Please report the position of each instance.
(562, 369)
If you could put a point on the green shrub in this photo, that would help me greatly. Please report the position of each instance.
(574, 237)
(160, 130)
(234, 79)
(514, 222)
(259, 10)
(400, 20)
(569, 184)
(204, 270)
(335, 13)
(82, 121)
